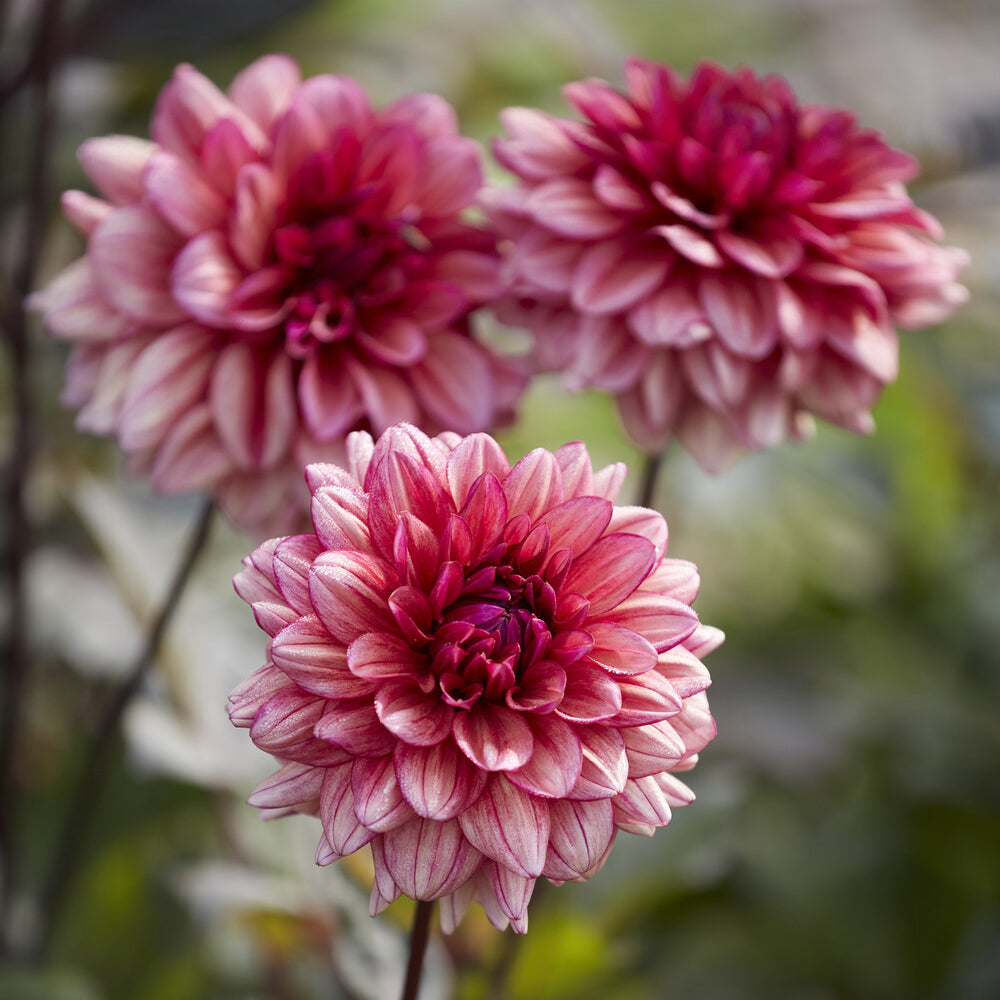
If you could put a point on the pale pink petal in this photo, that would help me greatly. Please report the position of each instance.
(305, 653)
(590, 695)
(115, 163)
(76, 308)
(294, 783)
(439, 782)
(534, 485)
(493, 737)
(354, 726)
(191, 455)
(609, 278)
(204, 277)
(343, 830)
(610, 570)
(167, 379)
(567, 206)
(556, 759)
(411, 714)
(604, 769)
(132, 252)
(348, 591)
(378, 800)
(265, 88)
(581, 834)
(537, 146)
(428, 859)
(508, 825)
(181, 196)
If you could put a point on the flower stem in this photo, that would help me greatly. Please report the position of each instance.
(80, 812)
(650, 473)
(419, 937)
(17, 545)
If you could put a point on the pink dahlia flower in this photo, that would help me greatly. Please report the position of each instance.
(484, 672)
(725, 261)
(281, 264)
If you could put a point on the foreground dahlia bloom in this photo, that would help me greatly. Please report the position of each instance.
(280, 265)
(724, 260)
(483, 672)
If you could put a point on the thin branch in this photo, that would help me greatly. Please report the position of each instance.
(650, 473)
(72, 836)
(419, 937)
(18, 541)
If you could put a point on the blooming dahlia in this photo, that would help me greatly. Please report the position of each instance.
(281, 264)
(726, 261)
(482, 671)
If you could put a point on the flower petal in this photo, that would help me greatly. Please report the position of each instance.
(439, 782)
(493, 737)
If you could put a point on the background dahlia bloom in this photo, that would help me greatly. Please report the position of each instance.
(725, 261)
(281, 264)
(483, 672)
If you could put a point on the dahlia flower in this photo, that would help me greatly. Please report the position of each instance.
(726, 261)
(281, 264)
(481, 671)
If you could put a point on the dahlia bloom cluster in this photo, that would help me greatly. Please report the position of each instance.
(281, 264)
(724, 260)
(482, 671)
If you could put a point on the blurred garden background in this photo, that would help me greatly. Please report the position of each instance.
(845, 844)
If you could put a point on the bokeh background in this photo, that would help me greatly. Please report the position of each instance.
(845, 844)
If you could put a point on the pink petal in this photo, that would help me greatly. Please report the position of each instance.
(132, 251)
(75, 307)
(378, 800)
(534, 485)
(84, 211)
(340, 517)
(378, 656)
(691, 244)
(641, 521)
(386, 397)
(646, 698)
(611, 277)
(652, 748)
(660, 620)
(510, 826)
(395, 340)
(604, 770)
(556, 759)
(342, 828)
(412, 715)
(741, 312)
(179, 194)
(537, 146)
(292, 785)
(354, 726)
(590, 696)
(455, 383)
(429, 859)
(191, 456)
(439, 782)
(265, 88)
(115, 163)
(641, 803)
(253, 215)
(568, 206)
(349, 591)
(306, 654)
(581, 834)
(204, 278)
(769, 256)
(475, 455)
(546, 259)
(329, 400)
(431, 116)
(293, 558)
(284, 725)
(619, 650)
(617, 192)
(450, 176)
(512, 892)
(167, 379)
(672, 317)
(493, 737)
(610, 570)
(577, 524)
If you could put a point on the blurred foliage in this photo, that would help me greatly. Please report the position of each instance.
(846, 841)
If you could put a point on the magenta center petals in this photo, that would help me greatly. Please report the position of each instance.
(492, 659)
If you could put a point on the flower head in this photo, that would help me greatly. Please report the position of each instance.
(726, 261)
(281, 264)
(484, 672)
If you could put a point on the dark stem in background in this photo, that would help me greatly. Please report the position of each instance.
(14, 651)
(650, 473)
(88, 787)
(419, 937)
